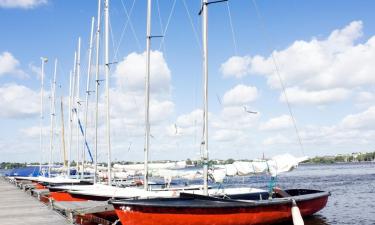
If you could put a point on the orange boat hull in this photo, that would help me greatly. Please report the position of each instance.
(260, 215)
(64, 196)
(39, 186)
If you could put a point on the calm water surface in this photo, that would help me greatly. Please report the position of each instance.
(352, 187)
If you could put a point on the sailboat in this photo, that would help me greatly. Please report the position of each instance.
(202, 209)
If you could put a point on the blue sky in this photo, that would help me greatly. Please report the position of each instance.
(323, 50)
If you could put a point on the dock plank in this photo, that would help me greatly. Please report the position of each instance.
(19, 208)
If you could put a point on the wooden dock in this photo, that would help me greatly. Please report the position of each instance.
(19, 208)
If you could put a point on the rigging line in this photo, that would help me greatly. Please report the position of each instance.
(115, 59)
(161, 28)
(167, 25)
(232, 29)
(160, 21)
(192, 26)
(277, 70)
(198, 41)
(128, 14)
(132, 27)
(125, 25)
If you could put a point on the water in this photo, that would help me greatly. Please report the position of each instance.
(352, 188)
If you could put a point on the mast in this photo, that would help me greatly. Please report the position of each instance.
(72, 105)
(78, 100)
(106, 61)
(44, 61)
(87, 92)
(147, 95)
(70, 116)
(97, 91)
(63, 130)
(205, 93)
(53, 113)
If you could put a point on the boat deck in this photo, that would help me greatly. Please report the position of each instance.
(19, 208)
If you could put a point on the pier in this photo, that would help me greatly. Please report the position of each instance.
(19, 208)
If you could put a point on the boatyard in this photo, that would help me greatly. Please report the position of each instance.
(187, 112)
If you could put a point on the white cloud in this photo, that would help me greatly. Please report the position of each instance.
(130, 73)
(321, 64)
(365, 97)
(277, 140)
(315, 68)
(187, 124)
(240, 95)
(277, 123)
(10, 65)
(227, 135)
(34, 132)
(17, 101)
(24, 4)
(321, 97)
(363, 120)
(236, 66)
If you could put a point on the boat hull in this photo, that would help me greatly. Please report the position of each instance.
(206, 213)
(64, 196)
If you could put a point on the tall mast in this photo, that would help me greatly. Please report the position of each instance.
(106, 61)
(147, 97)
(78, 100)
(44, 61)
(205, 93)
(70, 116)
(53, 113)
(87, 91)
(97, 91)
(62, 130)
(70, 120)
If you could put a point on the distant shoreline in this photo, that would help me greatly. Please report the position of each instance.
(339, 159)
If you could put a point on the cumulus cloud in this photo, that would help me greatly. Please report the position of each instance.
(17, 101)
(277, 123)
(315, 67)
(131, 71)
(187, 124)
(277, 140)
(240, 95)
(23, 4)
(127, 107)
(365, 99)
(300, 96)
(236, 66)
(9, 65)
(363, 120)
(34, 131)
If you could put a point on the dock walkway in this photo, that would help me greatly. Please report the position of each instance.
(19, 208)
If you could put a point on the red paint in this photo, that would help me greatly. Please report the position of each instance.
(39, 186)
(64, 196)
(141, 215)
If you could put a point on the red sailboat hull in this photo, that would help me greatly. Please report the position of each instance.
(130, 214)
(64, 196)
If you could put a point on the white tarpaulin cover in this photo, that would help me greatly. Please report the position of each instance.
(140, 167)
(276, 165)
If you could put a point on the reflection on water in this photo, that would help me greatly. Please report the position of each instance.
(316, 220)
(312, 220)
